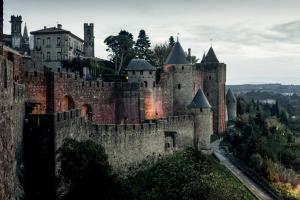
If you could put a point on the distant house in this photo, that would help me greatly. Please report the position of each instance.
(55, 45)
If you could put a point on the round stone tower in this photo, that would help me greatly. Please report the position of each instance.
(180, 71)
(231, 104)
(201, 110)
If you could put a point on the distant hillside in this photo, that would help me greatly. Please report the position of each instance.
(276, 88)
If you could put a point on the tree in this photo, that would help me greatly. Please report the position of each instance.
(171, 41)
(85, 172)
(160, 54)
(120, 48)
(256, 161)
(142, 46)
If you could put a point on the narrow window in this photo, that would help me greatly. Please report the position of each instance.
(58, 55)
(48, 56)
(179, 86)
(153, 83)
(58, 41)
(209, 77)
(38, 42)
(182, 68)
(146, 83)
(141, 72)
(150, 72)
(48, 41)
(207, 94)
(133, 72)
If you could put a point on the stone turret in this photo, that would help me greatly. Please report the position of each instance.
(142, 72)
(25, 41)
(16, 31)
(214, 79)
(231, 103)
(89, 40)
(201, 110)
(180, 69)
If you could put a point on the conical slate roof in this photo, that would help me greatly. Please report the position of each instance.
(177, 55)
(200, 101)
(25, 34)
(230, 96)
(140, 64)
(211, 57)
(203, 58)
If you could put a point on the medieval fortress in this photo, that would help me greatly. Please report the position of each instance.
(42, 104)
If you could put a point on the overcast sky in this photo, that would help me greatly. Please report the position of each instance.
(259, 40)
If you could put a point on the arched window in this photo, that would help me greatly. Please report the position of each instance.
(67, 103)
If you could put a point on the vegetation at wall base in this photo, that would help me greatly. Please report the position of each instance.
(183, 175)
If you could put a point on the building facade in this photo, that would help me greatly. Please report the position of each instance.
(55, 45)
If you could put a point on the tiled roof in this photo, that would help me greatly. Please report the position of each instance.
(54, 30)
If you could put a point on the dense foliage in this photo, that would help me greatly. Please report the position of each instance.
(265, 137)
(86, 174)
(122, 48)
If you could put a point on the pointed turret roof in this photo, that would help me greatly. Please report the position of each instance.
(140, 64)
(177, 55)
(25, 34)
(211, 57)
(230, 96)
(200, 101)
(203, 57)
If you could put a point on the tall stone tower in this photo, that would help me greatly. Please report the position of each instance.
(16, 28)
(180, 71)
(231, 105)
(202, 121)
(89, 38)
(214, 78)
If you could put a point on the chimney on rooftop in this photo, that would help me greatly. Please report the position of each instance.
(59, 26)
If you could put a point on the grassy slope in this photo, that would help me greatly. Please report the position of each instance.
(187, 175)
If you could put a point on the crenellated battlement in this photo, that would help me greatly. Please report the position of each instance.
(68, 115)
(151, 127)
(33, 76)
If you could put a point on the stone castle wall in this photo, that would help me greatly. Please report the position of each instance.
(11, 128)
(126, 145)
(110, 102)
(7, 137)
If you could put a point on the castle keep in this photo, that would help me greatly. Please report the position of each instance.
(132, 120)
